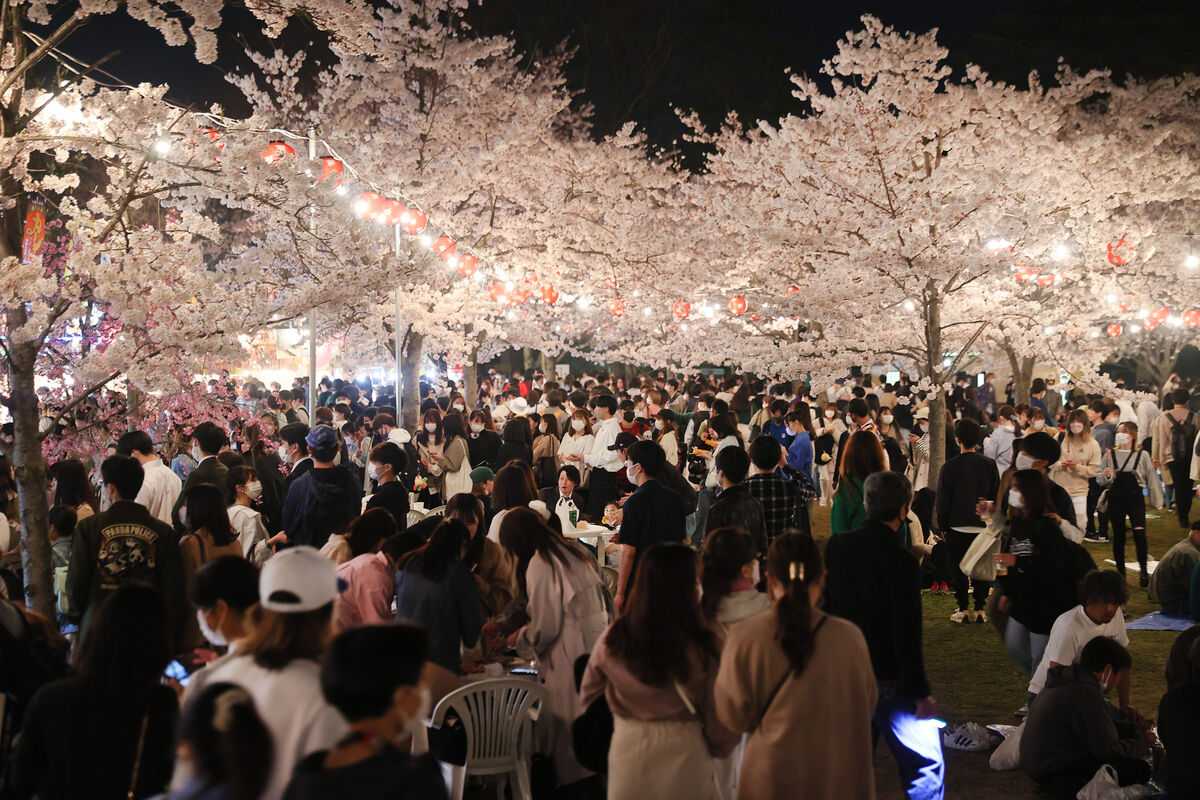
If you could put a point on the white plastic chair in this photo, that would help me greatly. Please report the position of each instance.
(496, 714)
(415, 516)
(440, 511)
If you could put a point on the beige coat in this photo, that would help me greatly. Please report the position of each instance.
(1086, 455)
(815, 739)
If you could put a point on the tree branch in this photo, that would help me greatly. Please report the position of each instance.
(49, 43)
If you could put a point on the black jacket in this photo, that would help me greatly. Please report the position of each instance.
(963, 481)
(390, 775)
(210, 470)
(876, 583)
(736, 507)
(483, 449)
(1179, 728)
(1043, 583)
(652, 514)
(393, 497)
(512, 451)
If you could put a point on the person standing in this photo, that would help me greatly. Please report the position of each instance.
(605, 463)
(800, 683)
(385, 465)
(1174, 443)
(780, 498)
(1078, 463)
(207, 440)
(325, 498)
(736, 505)
(998, 446)
(875, 582)
(652, 514)
(1127, 472)
(656, 665)
(160, 486)
(964, 480)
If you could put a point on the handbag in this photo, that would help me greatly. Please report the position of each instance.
(979, 562)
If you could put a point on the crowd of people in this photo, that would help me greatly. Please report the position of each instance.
(270, 605)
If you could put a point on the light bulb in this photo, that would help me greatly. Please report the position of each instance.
(910, 306)
(1048, 330)
(341, 190)
(646, 310)
(162, 147)
(1111, 298)
(1061, 253)
(1192, 261)
(426, 241)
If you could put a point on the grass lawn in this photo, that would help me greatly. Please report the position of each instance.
(973, 678)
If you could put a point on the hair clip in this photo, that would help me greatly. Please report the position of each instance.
(796, 571)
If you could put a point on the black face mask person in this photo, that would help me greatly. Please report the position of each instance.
(629, 416)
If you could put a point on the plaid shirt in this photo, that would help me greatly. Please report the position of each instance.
(779, 500)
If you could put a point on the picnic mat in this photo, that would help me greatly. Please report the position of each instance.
(1158, 621)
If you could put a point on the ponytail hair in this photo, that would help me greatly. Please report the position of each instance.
(231, 745)
(794, 562)
(726, 551)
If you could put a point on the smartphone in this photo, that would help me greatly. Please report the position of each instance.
(178, 672)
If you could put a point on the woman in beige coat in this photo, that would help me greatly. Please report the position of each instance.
(800, 683)
(1079, 461)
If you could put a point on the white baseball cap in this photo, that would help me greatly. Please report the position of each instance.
(296, 580)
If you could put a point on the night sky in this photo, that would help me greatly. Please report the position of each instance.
(637, 59)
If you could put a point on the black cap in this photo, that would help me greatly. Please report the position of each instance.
(623, 441)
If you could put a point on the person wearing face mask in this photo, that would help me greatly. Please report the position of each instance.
(1038, 451)
(653, 514)
(1037, 420)
(252, 536)
(545, 452)
(577, 442)
(223, 591)
(604, 462)
(161, 486)
(385, 466)
(1069, 734)
(293, 451)
(875, 583)
(431, 443)
(1078, 462)
(278, 661)
(888, 427)
(829, 430)
(998, 446)
(667, 436)
(373, 677)
(964, 479)
(1125, 473)
(483, 442)
(207, 440)
(124, 544)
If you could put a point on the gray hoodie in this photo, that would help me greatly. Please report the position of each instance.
(1070, 722)
(999, 447)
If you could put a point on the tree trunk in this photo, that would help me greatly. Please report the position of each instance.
(30, 467)
(1022, 370)
(471, 378)
(412, 380)
(933, 370)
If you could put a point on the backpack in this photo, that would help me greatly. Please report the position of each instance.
(1182, 436)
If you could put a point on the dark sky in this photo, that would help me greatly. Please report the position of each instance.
(638, 58)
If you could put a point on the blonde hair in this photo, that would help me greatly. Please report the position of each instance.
(275, 639)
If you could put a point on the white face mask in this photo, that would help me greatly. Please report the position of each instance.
(1076, 428)
(1024, 461)
(830, 413)
(887, 419)
(1039, 424)
(254, 490)
(477, 427)
(1121, 439)
(578, 424)
(284, 455)
(214, 637)
(196, 454)
(430, 427)
(460, 407)
(1015, 500)
(658, 425)
(372, 471)
(541, 427)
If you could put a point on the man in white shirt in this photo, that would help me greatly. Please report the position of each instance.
(605, 462)
(160, 486)
(1102, 595)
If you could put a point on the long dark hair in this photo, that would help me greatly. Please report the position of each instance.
(516, 431)
(127, 645)
(72, 487)
(206, 509)
(524, 534)
(1035, 490)
(454, 425)
(863, 456)
(230, 744)
(444, 548)
(802, 414)
(726, 551)
(794, 562)
(464, 505)
(662, 626)
(512, 488)
(367, 532)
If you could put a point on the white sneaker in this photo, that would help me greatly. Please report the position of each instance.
(970, 736)
(960, 616)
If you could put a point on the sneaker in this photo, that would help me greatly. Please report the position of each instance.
(943, 588)
(1022, 712)
(1095, 538)
(1143, 579)
(970, 736)
(981, 617)
(960, 616)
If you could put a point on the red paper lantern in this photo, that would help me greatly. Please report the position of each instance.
(368, 205)
(390, 212)
(1120, 253)
(517, 297)
(1150, 323)
(415, 222)
(682, 309)
(616, 307)
(1024, 273)
(215, 136)
(1160, 315)
(444, 247)
(496, 291)
(332, 168)
(754, 317)
(1046, 280)
(1191, 317)
(549, 295)
(1113, 329)
(737, 305)
(278, 150)
(467, 265)
(792, 290)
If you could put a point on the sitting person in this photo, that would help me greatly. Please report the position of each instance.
(1170, 585)
(1179, 727)
(1069, 734)
(372, 675)
(1102, 594)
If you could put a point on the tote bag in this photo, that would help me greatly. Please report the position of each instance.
(979, 562)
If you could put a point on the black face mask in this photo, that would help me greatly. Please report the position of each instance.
(629, 416)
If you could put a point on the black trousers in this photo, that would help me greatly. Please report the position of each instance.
(1066, 783)
(602, 490)
(1100, 518)
(957, 544)
(1134, 507)
(1179, 469)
